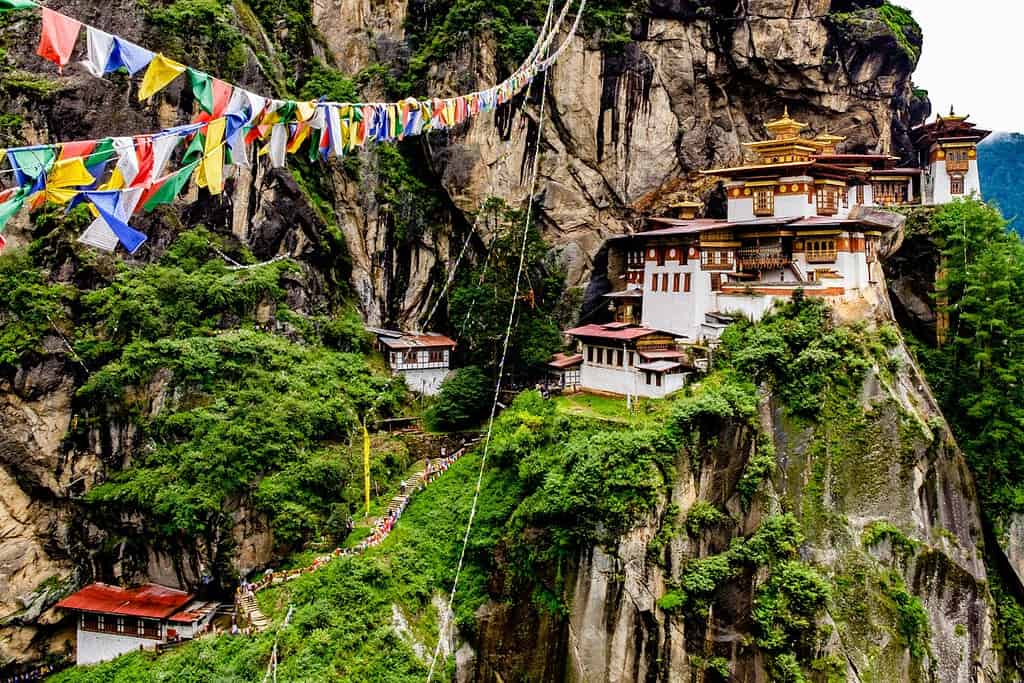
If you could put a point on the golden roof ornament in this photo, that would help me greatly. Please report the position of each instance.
(785, 127)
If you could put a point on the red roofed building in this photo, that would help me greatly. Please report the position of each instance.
(423, 360)
(114, 620)
(626, 359)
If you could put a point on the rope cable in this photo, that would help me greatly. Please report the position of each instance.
(501, 366)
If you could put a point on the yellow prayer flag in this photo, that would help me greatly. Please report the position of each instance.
(68, 173)
(211, 169)
(116, 181)
(159, 75)
(60, 195)
(300, 136)
(366, 466)
(305, 110)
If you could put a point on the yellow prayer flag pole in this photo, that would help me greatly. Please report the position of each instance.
(366, 465)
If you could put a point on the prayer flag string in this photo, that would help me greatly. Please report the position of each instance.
(106, 173)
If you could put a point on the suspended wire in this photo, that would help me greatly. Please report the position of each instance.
(544, 37)
(501, 365)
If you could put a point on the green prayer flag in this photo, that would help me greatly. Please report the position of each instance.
(286, 112)
(196, 149)
(12, 206)
(202, 88)
(32, 162)
(171, 188)
(104, 151)
(16, 4)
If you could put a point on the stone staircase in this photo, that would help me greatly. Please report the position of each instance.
(408, 486)
(250, 612)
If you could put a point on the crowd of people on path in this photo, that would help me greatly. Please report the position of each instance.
(38, 673)
(382, 527)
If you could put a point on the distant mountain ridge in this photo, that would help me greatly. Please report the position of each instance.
(1001, 164)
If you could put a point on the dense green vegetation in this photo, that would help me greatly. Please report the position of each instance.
(234, 395)
(977, 375)
(464, 399)
(30, 308)
(342, 626)
(896, 20)
(481, 298)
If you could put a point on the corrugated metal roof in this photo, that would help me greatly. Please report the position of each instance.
(561, 361)
(149, 600)
(602, 332)
(417, 341)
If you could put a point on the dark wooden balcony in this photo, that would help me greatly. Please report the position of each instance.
(763, 258)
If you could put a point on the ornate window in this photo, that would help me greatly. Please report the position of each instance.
(889, 192)
(716, 259)
(860, 194)
(956, 184)
(764, 202)
(957, 159)
(820, 251)
(828, 200)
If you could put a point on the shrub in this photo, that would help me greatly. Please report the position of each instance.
(464, 399)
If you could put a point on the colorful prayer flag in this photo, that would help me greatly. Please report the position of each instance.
(16, 4)
(57, 39)
(127, 54)
(166, 189)
(99, 45)
(161, 72)
(211, 169)
(202, 88)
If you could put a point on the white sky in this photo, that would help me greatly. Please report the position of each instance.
(971, 58)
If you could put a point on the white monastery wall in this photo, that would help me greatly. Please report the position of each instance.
(101, 647)
(426, 381)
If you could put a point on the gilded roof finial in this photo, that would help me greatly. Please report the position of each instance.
(785, 111)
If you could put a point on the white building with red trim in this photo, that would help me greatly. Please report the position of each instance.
(803, 216)
(114, 620)
(423, 360)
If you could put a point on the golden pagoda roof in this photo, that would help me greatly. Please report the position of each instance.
(785, 127)
(828, 138)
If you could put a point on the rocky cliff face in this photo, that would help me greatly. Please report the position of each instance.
(628, 126)
(888, 463)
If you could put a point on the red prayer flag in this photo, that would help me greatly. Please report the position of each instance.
(74, 150)
(3, 243)
(221, 98)
(58, 37)
(144, 155)
(148, 193)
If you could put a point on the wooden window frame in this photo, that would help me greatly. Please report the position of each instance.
(687, 281)
(716, 282)
(820, 250)
(600, 355)
(654, 282)
(675, 281)
(590, 354)
(618, 357)
(956, 185)
(860, 194)
(764, 201)
(827, 200)
(664, 282)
